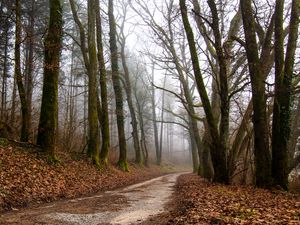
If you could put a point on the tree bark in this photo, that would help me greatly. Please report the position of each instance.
(93, 143)
(103, 86)
(219, 162)
(117, 87)
(283, 91)
(49, 109)
(29, 66)
(18, 75)
(260, 122)
(4, 77)
(134, 124)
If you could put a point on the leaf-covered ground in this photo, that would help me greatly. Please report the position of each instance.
(199, 202)
(27, 178)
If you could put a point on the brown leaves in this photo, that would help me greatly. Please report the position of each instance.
(26, 177)
(200, 202)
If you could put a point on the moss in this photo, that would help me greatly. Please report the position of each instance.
(4, 142)
(123, 166)
(53, 159)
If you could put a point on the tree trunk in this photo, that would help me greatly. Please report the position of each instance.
(103, 87)
(18, 75)
(260, 122)
(49, 109)
(193, 145)
(161, 124)
(224, 106)
(4, 77)
(283, 92)
(155, 129)
(29, 67)
(142, 128)
(117, 88)
(219, 161)
(134, 124)
(13, 104)
(93, 143)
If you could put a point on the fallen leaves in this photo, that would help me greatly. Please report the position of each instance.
(201, 202)
(26, 177)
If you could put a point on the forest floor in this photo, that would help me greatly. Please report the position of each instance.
(27, 178)
(124, 206)
(196, 201)
(78, 193)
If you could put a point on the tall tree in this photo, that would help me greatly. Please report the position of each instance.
(93, 144)
(260, 122)
(18, 75)
(103, 90)
(117, 87)
(29, 67)
(283, 91)
(128, 88)
(217, 146)
(49, 109)
(90, 63)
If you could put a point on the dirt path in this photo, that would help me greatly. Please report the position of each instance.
(130, 205)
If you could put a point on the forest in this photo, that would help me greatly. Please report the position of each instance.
(209, 86)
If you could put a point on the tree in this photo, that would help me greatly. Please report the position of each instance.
(155, 129)
(29, 67)
(90, 64)
(49, 109)
(260, 122)
(128, 89)
(283, 91)
(18, 76)
(93, 144)
(117, 87)
(103, 86)
(218, 149)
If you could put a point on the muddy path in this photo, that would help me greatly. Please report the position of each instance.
(129, 205)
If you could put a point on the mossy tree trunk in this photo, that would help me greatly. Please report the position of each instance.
(90, 63)
(217, 148)
(260, 122)
(117, 87)
(49, 109)
(194, 149)
(103, 91)
(93, 143)
(18, 76)
(283, 91)
(221, 155)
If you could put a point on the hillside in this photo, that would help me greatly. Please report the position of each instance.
(26, 177)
